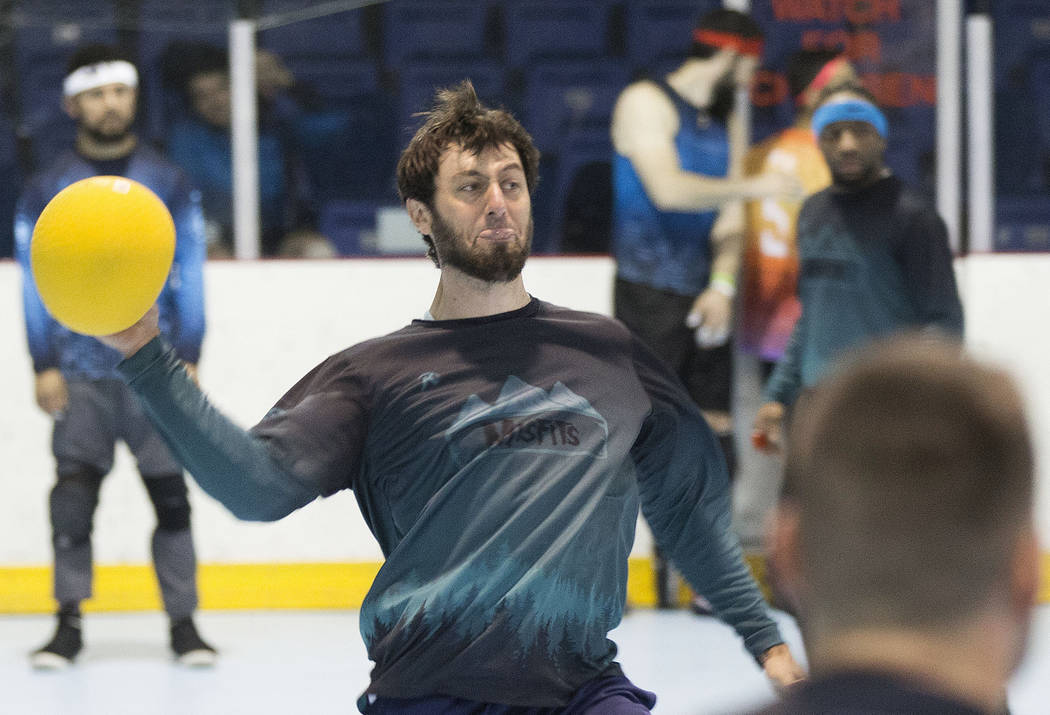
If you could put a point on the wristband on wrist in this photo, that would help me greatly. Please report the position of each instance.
(724, 283)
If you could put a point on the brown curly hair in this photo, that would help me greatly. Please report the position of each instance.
(459, 118)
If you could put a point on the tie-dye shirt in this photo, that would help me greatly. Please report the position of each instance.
(500, 463)
(769, 306)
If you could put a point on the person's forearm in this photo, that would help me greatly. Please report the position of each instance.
(684, 491)
(727, 245)
(739, 141)
(786, 380)
(684, 191)
(229, 463)
(721, 575)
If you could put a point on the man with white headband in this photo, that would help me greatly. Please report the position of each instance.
(874, 256)
(677, 229)
(75, 380)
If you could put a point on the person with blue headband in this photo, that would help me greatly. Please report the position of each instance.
(874, 257)
(768, 307)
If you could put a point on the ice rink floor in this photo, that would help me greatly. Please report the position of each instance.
(313, 663)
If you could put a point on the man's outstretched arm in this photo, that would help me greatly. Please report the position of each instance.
(231, 464)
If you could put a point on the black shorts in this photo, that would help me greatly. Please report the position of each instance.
(657, 317)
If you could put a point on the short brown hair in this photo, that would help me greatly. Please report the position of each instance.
(459, 117)
(912, 473)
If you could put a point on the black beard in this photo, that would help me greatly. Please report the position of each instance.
(106, 137)
(502, 265)
(865, 180)
(722, 99)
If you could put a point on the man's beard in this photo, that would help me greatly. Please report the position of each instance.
(501, 264)
(723, 98)
(854, 182)
(723, 94)
(107, 136)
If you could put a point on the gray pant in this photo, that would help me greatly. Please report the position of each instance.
(99, 413)
(759, 476)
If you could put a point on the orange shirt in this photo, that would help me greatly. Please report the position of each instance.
(769, 304)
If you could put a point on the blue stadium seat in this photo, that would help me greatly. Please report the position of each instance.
(10, 187)
(662, 29)
(782, 38)
(47, 29)
(544, 29)
(573, 203)
(338, 82)
(48, 137)
(162, 23)
(41, 92)
(346, 137)
(350, 150)
(565, 96)
(414, 29)
(1022, 28)
(44, 40)
(1039, 83)
(1019, 167)
(338, 35)
(420, 79)
(346, 222)
(45, 37)
(169, 15)
(1022, 223)
(912, 139)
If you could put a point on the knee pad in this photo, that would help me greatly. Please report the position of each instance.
(728, 445)
(168, 494)
(73, 501)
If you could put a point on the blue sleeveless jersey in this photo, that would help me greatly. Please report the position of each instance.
(669, 250)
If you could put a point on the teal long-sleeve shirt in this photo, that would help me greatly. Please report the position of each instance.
(500, 463)
(872, 262)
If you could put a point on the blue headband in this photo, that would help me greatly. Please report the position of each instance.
(849, 110)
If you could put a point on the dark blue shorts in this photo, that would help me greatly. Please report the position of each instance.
(611, 695)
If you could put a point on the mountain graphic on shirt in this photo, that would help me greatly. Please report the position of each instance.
(528, 419)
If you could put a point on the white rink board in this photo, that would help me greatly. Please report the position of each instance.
(271, 321)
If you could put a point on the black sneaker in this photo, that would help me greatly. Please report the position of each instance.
(189, 648)
(63, 648)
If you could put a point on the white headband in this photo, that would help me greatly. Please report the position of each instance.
(99, 75)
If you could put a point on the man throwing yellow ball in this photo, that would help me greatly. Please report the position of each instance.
(75, 379)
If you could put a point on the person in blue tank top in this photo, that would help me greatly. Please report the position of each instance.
(75, 380)
(499, 450)
(678, 223)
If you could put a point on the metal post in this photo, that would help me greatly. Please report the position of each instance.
(949, 117)
(981, 144)
(244, 130)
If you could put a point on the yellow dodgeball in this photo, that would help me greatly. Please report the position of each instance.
(101, 252)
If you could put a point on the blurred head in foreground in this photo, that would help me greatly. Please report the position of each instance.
(906, 526)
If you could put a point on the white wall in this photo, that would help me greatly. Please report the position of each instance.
(269, 322)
